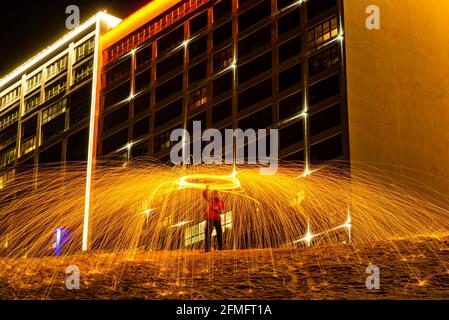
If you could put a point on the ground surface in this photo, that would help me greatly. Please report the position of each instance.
(412, 269)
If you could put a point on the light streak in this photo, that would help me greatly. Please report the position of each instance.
(215, 182)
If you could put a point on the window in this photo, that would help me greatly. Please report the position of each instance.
(117, 73)
(143, 57)
(254, 41)
(290, 77)
(6, 176)
(170, 41)
(142, 103)
(222, 59)
(57, 67)
(80, 104)
(326, 150)
(197, 47)
(32, 102)
(222, 33)
(291, 135)
(51, 155)
(253, 15)
(167, 65)
(9, 118)
(324, 89)
(222, 111)
(141, 128)
(118, 94)
(54, 111)
(28, 146)
(140, 150)
(29, 128)
(255, 94)
(195, 233)
(255, 67)
(316, 7)
(77, 145)
(290, 49)
(55, 88)
(85, 49)
(242, 3)
(116, 118)
(325, 120)
(115, 141)
(221, 9)
(143, 80)
(34, 81)
(8, 137)
(7, 157)
(53, 128)
(289, 21)
(83, 71)
(200, 117)
(197, 98)
(258, 120)
(291, 105)
(322, 33)
(285, 3)
(11, 96)
(198, 23)
(168, 113)
(222, 84)
(198, 72)
(169, 88)
(324, 60)
(162, 141)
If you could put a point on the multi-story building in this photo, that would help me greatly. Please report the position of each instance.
(46, 104)
(230, 64)
(334, 88)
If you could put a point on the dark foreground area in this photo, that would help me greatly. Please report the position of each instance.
(409, 269)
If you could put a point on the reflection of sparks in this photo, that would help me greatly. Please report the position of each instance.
(307, 237)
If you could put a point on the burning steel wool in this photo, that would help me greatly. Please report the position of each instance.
(146, 232)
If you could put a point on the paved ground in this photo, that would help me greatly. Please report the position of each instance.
(409, 269)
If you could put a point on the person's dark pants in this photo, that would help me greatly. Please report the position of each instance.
(210, 225)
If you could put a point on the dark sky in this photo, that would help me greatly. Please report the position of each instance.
(29, 26)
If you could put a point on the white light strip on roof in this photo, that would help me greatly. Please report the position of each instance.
(110, 20)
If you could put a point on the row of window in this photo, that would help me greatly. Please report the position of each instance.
(223, 8)
(52, 70)
(290, 137)
(224, 59)
(9, 118)
(287, 78)
(320, 122)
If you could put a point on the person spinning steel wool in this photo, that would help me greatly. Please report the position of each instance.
(215, 207)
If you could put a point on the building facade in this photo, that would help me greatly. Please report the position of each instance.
(229, 64)
(46, 104)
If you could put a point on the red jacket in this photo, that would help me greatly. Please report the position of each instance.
(214, 208)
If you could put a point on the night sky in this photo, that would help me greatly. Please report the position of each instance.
(29, 26)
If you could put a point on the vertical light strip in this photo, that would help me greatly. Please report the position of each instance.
(91, 157)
